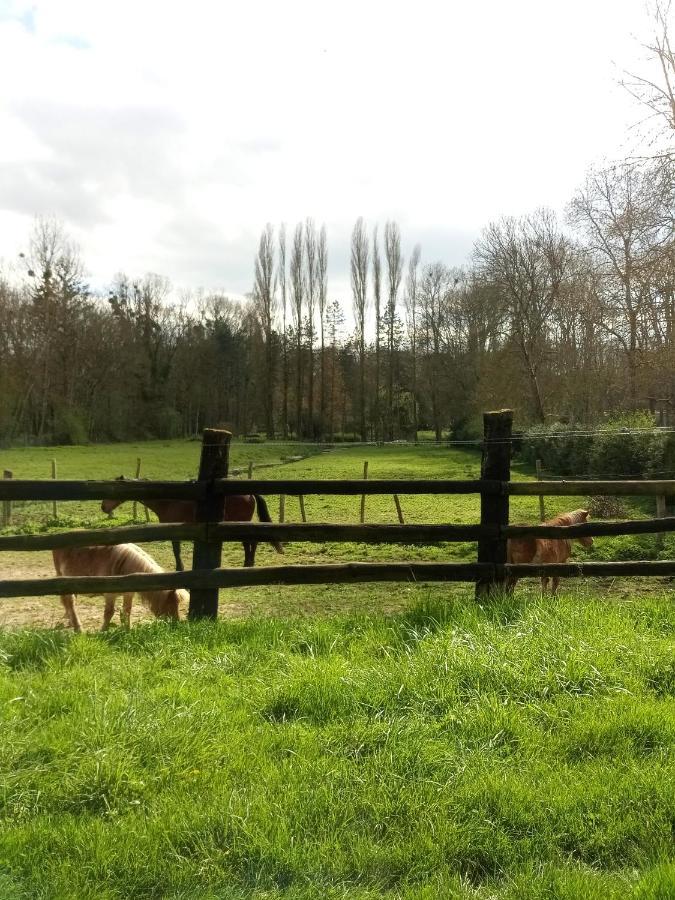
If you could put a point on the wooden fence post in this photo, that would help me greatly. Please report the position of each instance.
(250, 470)
(214, 463)
(282, 508)
(301, 500)
(494, 508)
(542, 509)
(399, 511)
(362, 518)
(55, 506)
(7, 504)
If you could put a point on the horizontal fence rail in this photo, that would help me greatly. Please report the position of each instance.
(23, 489)
(321, 532)
(337, 573)
(590, 488)
(19, 489)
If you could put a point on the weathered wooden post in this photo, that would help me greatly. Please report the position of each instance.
(660, 514)
(55, 506)
(282, 508)
(7, 504)
(214, 463)
(303, 514)
(494, 508)
(399, 511)
(362, 517)
(542, 510)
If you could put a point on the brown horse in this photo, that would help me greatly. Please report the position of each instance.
(546, 550)
(238, 508)
(121, 559)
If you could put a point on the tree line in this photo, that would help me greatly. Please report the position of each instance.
(567, 320)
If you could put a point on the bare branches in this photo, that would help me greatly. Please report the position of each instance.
(359, 278)
(656, 92)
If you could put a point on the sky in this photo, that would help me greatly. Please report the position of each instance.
(164, 135)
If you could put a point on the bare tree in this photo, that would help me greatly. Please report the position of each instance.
(525, 260)
(377, 298)
(297, 276)
(392, 251)
(411, 301)
(281, 269)
(433, 289)
(656, 92)
(310, 299)
(322, 293)
(265, 300)
(625, 215)
(359, 278)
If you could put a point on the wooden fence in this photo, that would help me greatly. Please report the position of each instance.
(208, 534)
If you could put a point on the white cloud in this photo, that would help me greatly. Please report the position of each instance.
(167, 134)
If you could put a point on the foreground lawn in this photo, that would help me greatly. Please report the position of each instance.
(522, 749)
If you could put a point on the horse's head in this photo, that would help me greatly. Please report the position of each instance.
(165, 604)
(107, 506)
(586, 542)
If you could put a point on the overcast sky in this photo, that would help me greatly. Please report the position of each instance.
(165, 135)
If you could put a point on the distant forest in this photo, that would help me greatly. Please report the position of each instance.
(558, 320)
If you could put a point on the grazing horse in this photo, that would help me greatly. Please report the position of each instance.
(546, 550)
(237, 508)
(121, 559)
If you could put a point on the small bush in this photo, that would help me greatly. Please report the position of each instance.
(603, 507)
(626, 446)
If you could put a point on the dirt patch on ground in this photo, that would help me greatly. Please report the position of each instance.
(270, 600)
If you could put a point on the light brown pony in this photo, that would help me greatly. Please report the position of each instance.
(237, 508)
(546, 550)
(122, 559)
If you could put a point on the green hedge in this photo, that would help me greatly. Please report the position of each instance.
(625, 446)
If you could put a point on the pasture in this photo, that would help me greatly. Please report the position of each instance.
(367, 741)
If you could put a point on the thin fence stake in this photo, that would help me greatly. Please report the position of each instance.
(55, 508)
(7, 504)
(302, 507)
(660, 514)
(138, 475)
(399, 511)
(250, 470)
(363, 496)
(282, 507)
(542, 511)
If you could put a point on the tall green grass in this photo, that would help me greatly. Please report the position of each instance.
(519, 749)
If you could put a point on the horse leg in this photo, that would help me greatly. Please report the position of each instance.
(125, 612)
(68, 601)
(555, 581)
(544, 584)
(249, 554)
(254, 547)
(176, 553)
(109, 611)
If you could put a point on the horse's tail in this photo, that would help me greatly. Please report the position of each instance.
(264, 516)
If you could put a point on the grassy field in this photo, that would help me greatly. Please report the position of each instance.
(368, 741)
(521, 749)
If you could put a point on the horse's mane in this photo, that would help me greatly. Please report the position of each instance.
(132, 558)
(570, 518)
